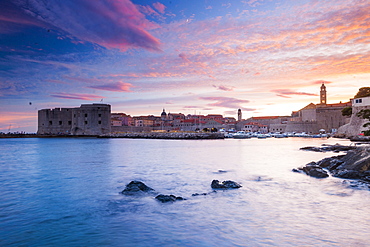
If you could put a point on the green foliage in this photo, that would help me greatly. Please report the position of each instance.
(364, 113)
(363, 92)
(366, 132)
(347, 111)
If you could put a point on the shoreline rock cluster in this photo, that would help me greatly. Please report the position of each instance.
(167, 135)
(329, 148)
(137, 188)
(355, 164)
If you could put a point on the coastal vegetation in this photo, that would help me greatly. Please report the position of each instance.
(363, 92)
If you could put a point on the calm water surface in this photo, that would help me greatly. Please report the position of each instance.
(65, 192)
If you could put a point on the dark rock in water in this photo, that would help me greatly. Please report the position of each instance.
(296, 170)
(168, 198)
(203, 194)
(348, 174)
(225, 184)
(329, 148)
(135, 187)
(353, 165)
(317, 173)
(314, 170)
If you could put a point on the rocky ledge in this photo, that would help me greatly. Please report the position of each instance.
(353, 165)
(167, 135)
(329, 148)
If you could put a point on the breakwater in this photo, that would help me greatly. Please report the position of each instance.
(166, 135)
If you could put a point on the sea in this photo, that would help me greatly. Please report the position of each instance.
(66, 192)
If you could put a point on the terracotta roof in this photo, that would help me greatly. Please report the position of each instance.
(309, 106)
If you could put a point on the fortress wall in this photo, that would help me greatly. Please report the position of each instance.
(299, 126)
(91, 119)
(277, 128)
(330, 118)
(55, 121)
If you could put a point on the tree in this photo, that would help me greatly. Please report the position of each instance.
(347, 111)
(363, 92)
(365, 114)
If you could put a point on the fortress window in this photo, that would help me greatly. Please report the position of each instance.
(60, 122)
(99, 122)
(74, 115)
(50, 122)
(69, 122)
(85, 114)
(85, 122)
(99, 115)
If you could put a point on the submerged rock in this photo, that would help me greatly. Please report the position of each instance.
(135, 187)
(225, 184)
(168, 198)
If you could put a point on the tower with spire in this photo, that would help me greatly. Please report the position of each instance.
(239, 115)
(323, 95)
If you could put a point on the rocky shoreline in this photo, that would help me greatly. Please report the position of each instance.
(355, 165)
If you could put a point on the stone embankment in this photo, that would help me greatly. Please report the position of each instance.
(353, 165)
(166, 135)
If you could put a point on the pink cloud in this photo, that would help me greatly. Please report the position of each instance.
(184, 57)
(285, 92)
(77, 96)
(191, 107)
(114, 87)
(223, 88)
(321, 82)
(227, 102)
(159, 7)
(112, 24)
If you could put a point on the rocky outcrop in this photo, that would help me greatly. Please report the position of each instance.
(169, 198)
(329, 148)
(314, 170)
(135, 188)
(225, 185)
(353, 165)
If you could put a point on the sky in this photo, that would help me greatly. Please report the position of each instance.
(266, 57)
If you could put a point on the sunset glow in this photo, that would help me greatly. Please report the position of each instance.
(210, 57)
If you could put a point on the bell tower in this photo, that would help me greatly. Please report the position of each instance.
(239, 115)
(323, 95)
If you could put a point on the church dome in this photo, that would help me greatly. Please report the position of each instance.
(163, 113)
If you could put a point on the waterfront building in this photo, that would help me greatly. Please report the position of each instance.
(88, 119)
(355, 126)
(315, 117)
(126, 120)
(255, 127)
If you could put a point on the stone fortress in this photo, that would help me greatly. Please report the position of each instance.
(88, 119)
(97, 119)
